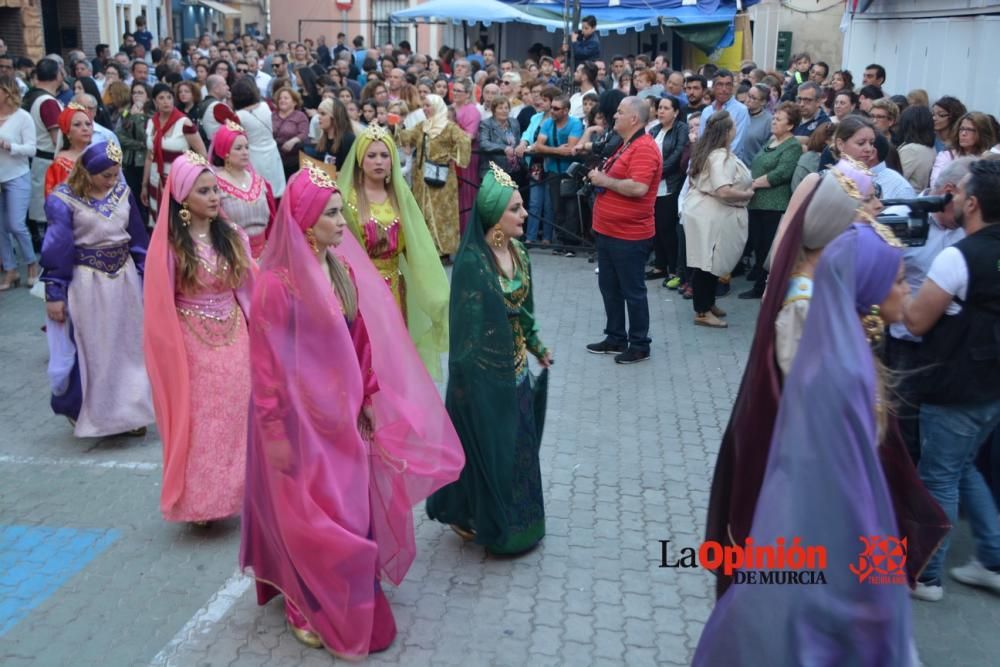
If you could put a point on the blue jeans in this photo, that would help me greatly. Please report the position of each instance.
(15, 195)
(539, 209)
(950, 436)
(622, 280)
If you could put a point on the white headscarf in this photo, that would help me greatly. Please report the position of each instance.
(435, 125)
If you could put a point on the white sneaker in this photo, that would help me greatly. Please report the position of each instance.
(927, 592)
(975, 574)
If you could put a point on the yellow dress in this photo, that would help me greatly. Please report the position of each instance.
(383, 238)
(439, 205)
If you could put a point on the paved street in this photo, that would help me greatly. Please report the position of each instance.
(91, 575)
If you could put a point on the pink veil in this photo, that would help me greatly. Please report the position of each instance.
(327, 513)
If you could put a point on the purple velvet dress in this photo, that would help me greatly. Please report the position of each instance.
(93, 256)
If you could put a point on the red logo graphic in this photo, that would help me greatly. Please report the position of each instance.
(883, 560)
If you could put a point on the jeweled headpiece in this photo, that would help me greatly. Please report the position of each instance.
(195, 158)
(320, 178)
(503, 178)
(114, 153)
(100, 157)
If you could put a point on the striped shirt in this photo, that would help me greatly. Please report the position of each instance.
(630, 218)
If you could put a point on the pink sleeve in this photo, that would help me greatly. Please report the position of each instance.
(363, 348)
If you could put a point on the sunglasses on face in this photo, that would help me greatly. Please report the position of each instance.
(241, 70)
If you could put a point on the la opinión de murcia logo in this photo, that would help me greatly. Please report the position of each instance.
(883, 560)
(781, 563)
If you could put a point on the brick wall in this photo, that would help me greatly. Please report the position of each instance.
(80, 16)
(11, 32)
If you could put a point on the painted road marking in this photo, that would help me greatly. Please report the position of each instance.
(86, 463)
(35, 561)
(204, 620)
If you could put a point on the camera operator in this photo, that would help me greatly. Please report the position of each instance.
(623, 227)
(558, 135)
(902, 348)
(957, 310)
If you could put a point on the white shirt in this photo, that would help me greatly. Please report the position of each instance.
(19, 131)
(917, 261)
(263, 81)
(661, 189)
(102, 133)
(950, 272)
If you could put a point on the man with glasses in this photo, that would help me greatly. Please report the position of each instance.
(101, 133)
(759, 128)
(723, 88)
(808, 98)
(558, 135)
(7, 69)
(623, 226)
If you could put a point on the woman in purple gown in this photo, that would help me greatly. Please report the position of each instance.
(825, 485)
(93, 256)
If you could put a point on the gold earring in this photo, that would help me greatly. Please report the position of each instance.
(311, 239)
(185, 214)
(874, 326)
(497, 238)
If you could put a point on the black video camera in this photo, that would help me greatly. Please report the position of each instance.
(912, 229)
(578, 171)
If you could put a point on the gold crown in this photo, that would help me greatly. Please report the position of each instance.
(114, 152)
(887, 234)
(501, 176)
(376, 132)
(234, 126)
(320, 178)
(76, 106)
(195, 158)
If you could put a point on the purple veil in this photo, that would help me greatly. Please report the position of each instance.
(824, 484)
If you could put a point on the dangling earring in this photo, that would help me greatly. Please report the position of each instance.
(388, 179)
(874, 326)
(185, 214)
(311, 239)
(497, 238)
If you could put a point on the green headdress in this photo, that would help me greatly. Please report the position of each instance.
(494, 194)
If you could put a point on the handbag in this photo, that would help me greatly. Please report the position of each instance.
(435, 174)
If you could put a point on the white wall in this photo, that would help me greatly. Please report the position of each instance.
(945, 56)
(814, 24)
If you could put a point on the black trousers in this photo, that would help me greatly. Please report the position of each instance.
(566, 212)
(665, 242)
(763, 228)
(703, 285)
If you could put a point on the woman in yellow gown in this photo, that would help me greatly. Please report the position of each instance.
(384, 216)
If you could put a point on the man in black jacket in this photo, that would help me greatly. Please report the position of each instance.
(957, 310)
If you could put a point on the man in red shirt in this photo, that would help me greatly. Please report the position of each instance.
(623, 226)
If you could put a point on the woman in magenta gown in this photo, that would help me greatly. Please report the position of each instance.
(347, 430)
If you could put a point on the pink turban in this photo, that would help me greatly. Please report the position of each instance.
(225, 137)
(307, 194)
(184, 171)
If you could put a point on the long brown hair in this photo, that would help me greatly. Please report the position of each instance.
(340, 126)
(225, 240)
(343, 286)
(716, 136)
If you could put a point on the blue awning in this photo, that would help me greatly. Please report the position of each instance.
(549, 14)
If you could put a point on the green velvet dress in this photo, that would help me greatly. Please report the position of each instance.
(496, 404)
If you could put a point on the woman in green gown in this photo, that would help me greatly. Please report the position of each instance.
(496, 404)
(381, 212)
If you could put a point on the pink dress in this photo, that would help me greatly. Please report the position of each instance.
(216, 345)
(468, 118)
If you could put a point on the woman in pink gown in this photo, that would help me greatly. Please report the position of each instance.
(347, 430)
(199, 280)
